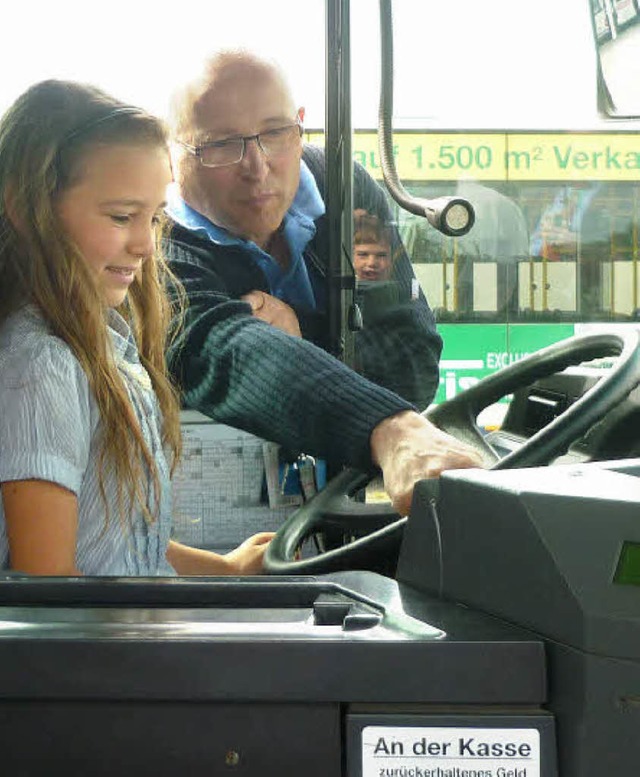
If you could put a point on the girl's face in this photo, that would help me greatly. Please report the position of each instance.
(112, 211)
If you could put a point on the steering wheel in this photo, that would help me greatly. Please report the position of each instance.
(333, 506)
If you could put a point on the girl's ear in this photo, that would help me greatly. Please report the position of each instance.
(10, 207)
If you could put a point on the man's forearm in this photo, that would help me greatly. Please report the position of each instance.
(244, 373)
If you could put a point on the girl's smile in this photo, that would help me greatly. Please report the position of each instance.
(112, 212)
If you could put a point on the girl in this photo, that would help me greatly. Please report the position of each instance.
(89, 420)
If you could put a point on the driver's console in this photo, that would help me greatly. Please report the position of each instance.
(556, 550)
(509, 647)
(534, 406)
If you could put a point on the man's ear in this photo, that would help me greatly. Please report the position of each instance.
(301, 115)
(175, 153)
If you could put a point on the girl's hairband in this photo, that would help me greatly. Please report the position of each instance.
(123, 110)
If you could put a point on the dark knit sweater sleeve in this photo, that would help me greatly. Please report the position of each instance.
(245, 373)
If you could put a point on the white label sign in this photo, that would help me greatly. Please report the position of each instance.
(404, 751)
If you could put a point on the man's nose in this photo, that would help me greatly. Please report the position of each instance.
(254, 161)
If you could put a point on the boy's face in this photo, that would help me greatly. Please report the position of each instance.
(372, 261)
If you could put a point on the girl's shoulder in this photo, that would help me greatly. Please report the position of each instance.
(29, 348)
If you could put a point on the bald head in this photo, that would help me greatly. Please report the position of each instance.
(238, 94)
(220, 75)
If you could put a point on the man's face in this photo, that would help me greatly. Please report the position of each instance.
(250, 197)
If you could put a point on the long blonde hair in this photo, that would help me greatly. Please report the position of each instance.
(44, 137)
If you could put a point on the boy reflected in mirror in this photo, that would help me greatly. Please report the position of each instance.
(372, 252)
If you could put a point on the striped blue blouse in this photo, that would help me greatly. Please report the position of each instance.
(49, 430)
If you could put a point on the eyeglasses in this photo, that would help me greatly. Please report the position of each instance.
(219, 153)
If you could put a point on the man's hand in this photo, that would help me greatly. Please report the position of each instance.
(274, 311)
(408, 448)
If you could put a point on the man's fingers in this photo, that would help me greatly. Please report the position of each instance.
(255, 299)
(273, 311)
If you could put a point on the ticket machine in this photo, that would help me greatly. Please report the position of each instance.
(557, 551)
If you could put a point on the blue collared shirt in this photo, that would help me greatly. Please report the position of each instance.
(293, 285)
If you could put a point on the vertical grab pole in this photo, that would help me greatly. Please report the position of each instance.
(339, 180)
(634, 255)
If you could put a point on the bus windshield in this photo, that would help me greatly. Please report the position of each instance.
(495, 102)
(491, 102)
(501, 107)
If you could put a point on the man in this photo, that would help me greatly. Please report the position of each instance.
(281, 230)
(246, 246)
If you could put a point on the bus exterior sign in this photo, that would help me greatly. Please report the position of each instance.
(473, 351)
(503, 156)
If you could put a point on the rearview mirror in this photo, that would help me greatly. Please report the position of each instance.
(616, 27)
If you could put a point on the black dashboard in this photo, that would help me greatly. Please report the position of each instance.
(616, 436)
